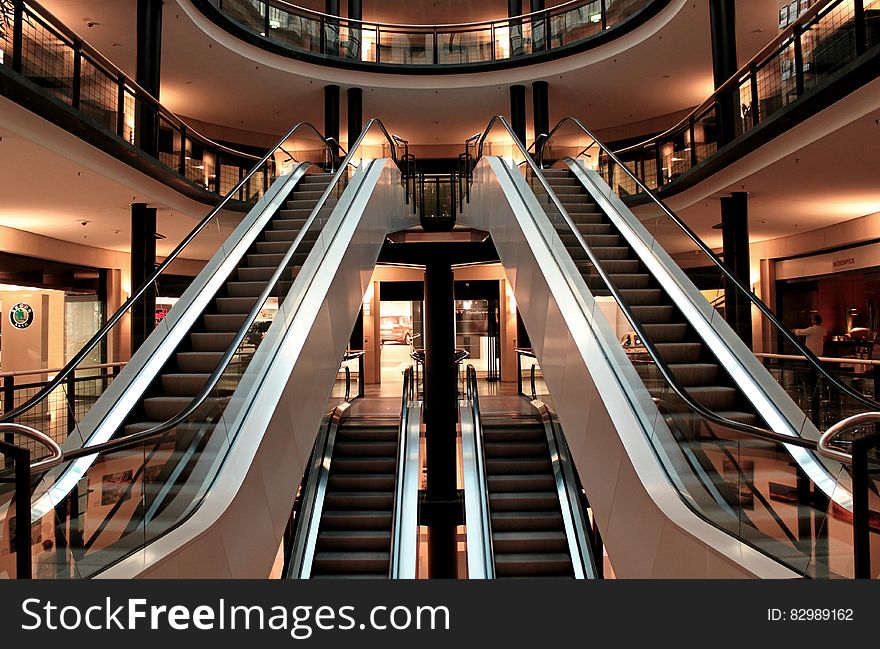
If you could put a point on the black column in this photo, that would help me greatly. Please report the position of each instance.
(355, 12)
(722, 18)
(143, 263)
(539, 26)
(356, 341)
(355, 114)
(514, 8)
(355, 9)
(440, 416)
(148, 72)
(331, 116)
(540, 109)
(518, 111)
(735, 238)
(330, 34)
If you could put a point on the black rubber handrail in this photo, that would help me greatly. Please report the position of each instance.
(728, 274)
(666, 372)
(136, 438)
(83, 353)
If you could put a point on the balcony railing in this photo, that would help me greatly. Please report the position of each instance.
(302, 31)
(825, 40)
(35, 45)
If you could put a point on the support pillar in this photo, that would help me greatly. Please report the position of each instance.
(355, 12)
(330, 35)
(518, 111)
(735, 238)
(515, 8)
(148, 67)
(539, 26)
(143, 263)
(440, 416)
(355, 114)
(331, 117)
(540, 109)
(722, 20)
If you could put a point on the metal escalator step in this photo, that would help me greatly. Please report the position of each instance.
(524, 500)
(526, 434)
(356, 520)
(520, 482)
(307, 193)
(666, 332)
(358, 500)
(352, 562)
(688, 374)
(367, 433)
(183, 384)
(295, 213)
(560, 181)
(515, 449)
(289, 236)
(519, 521)
(289, 224)
(211, 341)
(361, 481)
(532, 564)
(224, 322)
(364, 464)
(338, 540)
(235, 304)
(621, 280)
(679, 352)
(254, 289)
(592, 229)
(198, 361)
(653, 314)
(713, 397)
(521, 542)
(593, 240)
(344, 448)
(496, 466)
(164, 408)
(351, 576)
(282, 247)
(641, 296)
(263, 274)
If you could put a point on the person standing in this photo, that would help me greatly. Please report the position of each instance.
(815, 335)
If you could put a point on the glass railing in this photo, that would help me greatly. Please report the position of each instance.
(732, 300)
(131, 490)
(826, 39)
(59, 64)
(736, 473)
(56, 408)
(304, 31)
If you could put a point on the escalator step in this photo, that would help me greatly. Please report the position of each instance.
(365, 449)
(515, 449)
(254, 289)
(198, 361)
(356, 520)
(679, 352)
(520, 501)
(289, 224)
(235, 304)
(358, 500)
(641, 296)
(687, 373)
(532, 564)
(666, 332)
(521, 542)
(352, 562)
(224, 322)
(653, 314)
(184, 384)
(496, 466)
(364, 433)
(522, 482)
(364, 464)
(360, 481)
(211, 341)
(336, 540)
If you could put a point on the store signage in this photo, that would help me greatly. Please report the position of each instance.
(21, 315)
(842, 263)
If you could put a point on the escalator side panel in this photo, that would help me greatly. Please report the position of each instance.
(274, 416)
(764, 392)
(607, 420)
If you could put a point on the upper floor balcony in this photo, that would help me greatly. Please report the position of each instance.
(312, 36)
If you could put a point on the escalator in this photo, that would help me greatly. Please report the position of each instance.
(523, 505)
(715, 459)
(159, 467)
(360, 496)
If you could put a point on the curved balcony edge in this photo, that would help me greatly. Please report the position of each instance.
(627, 24)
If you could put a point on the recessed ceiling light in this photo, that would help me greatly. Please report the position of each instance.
(666, 76)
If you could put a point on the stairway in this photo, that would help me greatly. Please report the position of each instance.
(528, 537)
(690, 360)
(354, 535)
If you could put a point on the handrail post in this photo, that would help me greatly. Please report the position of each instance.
(362, 379)
(861, 511)
(76, 81)
(17, 34)
(120, 106)
(71, 401)
(799, 82)
(532, 381)
(21, 457)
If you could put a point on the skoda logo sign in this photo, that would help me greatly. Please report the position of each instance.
(21, 315)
